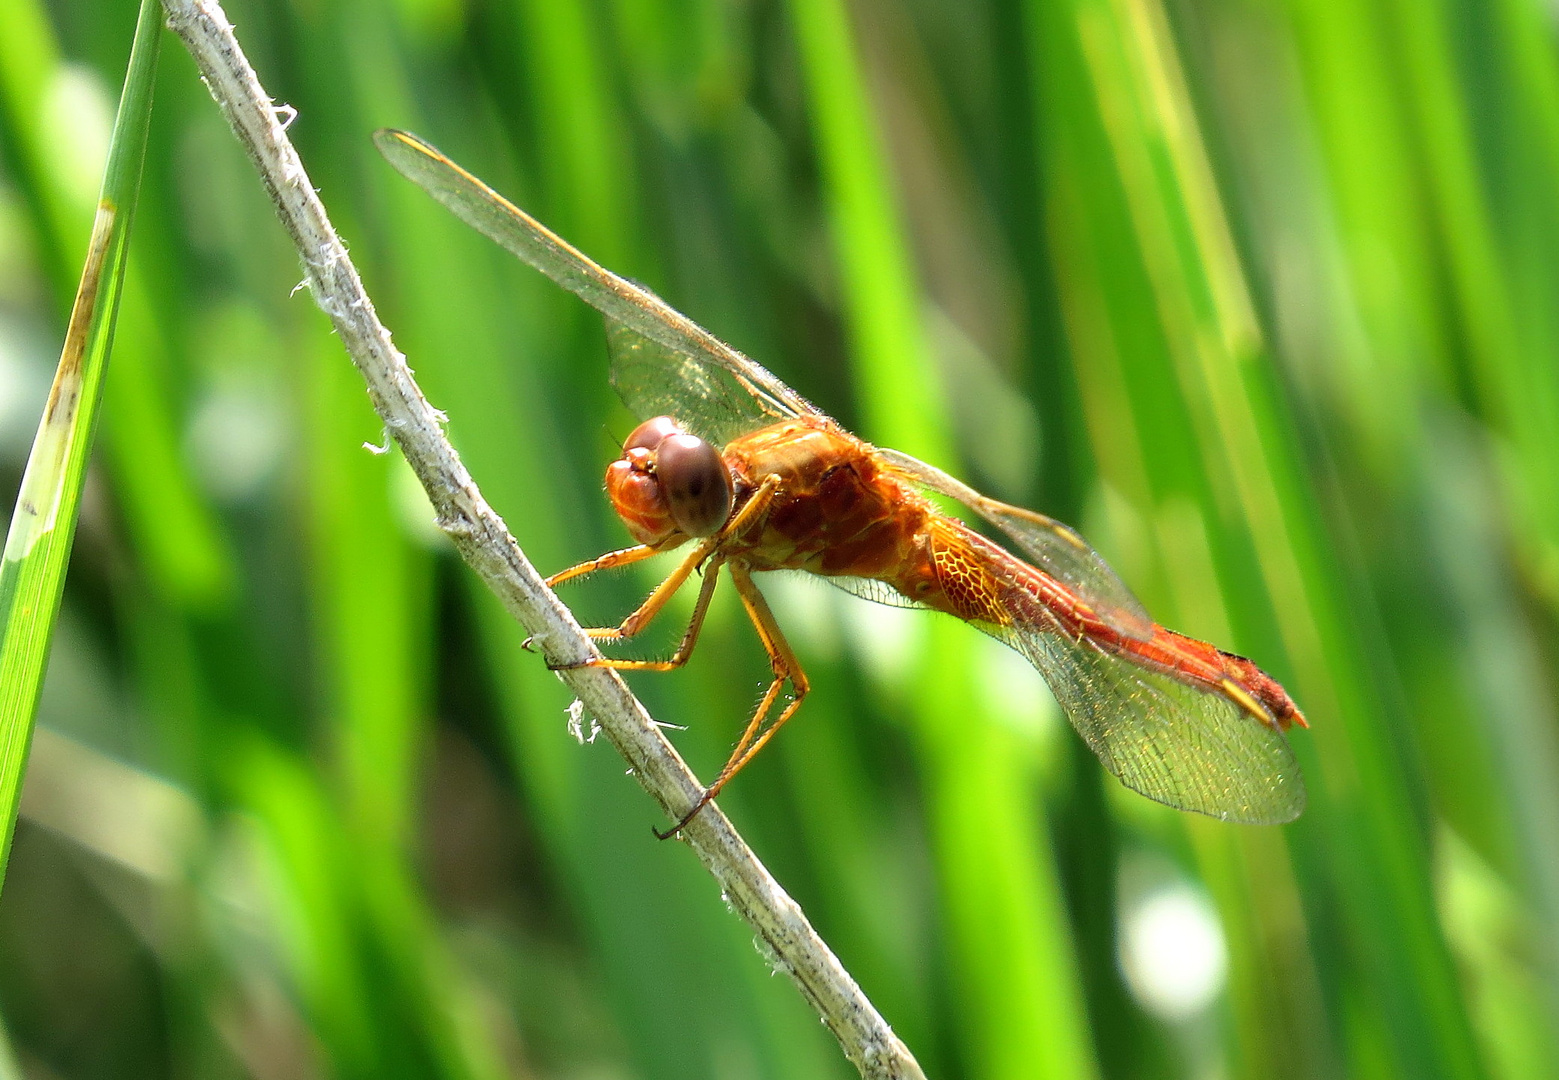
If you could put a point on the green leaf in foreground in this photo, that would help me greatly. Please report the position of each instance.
(37, 548)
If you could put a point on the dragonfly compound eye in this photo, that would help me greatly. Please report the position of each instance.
(649, 434)
(694, 479)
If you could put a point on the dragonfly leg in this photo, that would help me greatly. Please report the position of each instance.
(611, 560)
(653, 605)
(786, 668)
(689, 637)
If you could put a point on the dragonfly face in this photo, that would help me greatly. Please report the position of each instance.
(669, 485)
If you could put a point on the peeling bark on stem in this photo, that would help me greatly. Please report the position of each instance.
(484, 542)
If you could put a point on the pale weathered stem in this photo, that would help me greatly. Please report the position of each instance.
(484, 542)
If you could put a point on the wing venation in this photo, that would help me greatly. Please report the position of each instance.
(707, 376)
(1188, 748)
(1055, 548)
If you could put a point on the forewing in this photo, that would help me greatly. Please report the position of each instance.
(664, 362)
(1055, 548)
(1176, 744)
(878, 592)
(710, 400)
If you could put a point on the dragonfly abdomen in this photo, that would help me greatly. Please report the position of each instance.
(983, 582)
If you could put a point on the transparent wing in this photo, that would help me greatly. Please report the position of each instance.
(675, 367)
(705, 398)
(878, 592)
(1055, 548)
(1178, 745)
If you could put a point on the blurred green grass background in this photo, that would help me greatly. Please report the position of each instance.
(1259, 293)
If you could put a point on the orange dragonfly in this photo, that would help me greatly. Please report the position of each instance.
(733, 461)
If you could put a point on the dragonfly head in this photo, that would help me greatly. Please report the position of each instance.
(669, 484)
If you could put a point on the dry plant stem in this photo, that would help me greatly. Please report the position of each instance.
(485, 544)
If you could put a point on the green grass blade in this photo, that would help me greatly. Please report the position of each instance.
(899, 392)
(172, 528)
(9, 1069)
(32, 573)
(1248, 475)
(1021, 1012)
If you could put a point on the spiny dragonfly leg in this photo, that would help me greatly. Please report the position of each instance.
(706, 592)
(652, 606)
(609, 561)
(786, 668)
(706, 551)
